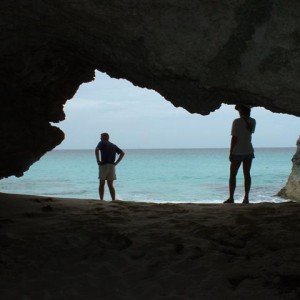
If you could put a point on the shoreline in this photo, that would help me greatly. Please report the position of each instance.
(68, 248)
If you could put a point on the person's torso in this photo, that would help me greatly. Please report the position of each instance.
(243, 129)
(108, 152)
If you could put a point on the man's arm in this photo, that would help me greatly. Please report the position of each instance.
(121, 155)
(97, 155)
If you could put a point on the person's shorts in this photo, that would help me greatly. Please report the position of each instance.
(242, 157)
(107, 172)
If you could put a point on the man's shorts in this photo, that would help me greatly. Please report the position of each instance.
(242, 157)
(107, 172)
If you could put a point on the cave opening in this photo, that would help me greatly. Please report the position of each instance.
(140, 119)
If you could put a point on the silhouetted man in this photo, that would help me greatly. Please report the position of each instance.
(107, 164)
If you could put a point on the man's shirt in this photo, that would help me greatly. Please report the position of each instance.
(108, 152)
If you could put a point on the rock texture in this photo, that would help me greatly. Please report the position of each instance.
(198, 54)
(292, 188)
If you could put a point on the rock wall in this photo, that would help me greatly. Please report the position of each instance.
(198, 54)
(292, 188)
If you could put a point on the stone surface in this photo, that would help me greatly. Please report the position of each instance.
(292, 188)
(198, 54)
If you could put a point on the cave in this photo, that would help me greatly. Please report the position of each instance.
(196, 55)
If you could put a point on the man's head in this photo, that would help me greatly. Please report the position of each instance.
(244, 110)
(104, 136)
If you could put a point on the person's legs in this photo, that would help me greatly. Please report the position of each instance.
(234, 168)
(247, 178)
(112, 191)
(101, 189)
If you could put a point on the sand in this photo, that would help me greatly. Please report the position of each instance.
(88, 249)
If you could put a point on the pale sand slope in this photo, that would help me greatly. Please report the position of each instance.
(87, 249)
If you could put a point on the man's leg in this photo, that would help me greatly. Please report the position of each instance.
(101, 189)
(234, 168)
(112, 191)
(247, 178)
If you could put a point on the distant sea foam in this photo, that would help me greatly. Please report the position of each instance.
(156, 175)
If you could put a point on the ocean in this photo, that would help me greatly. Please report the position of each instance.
(155, 175)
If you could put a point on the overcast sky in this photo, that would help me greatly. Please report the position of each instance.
(139, 118)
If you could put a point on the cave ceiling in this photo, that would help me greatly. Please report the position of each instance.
(197, 54)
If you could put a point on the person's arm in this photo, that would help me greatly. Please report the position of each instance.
(232, 145)
(97, 155)
(234, 136)
(121, 155)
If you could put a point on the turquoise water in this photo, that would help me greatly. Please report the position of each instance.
(166, 175)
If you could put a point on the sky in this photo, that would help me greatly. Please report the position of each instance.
(139, 118)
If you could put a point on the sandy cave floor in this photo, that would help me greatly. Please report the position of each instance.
(54, 248)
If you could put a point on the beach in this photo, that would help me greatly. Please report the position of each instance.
(55, 248)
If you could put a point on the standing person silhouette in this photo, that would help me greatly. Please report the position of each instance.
(107, 164)
(241, 151)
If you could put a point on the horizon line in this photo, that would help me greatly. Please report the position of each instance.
(192, 148)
